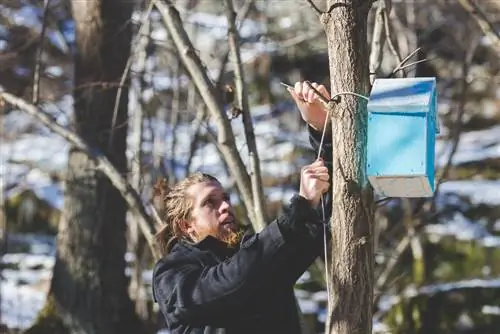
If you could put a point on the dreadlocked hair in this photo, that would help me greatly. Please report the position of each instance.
(174, 205)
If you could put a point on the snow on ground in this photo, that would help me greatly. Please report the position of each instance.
(25, 278)
(20, 304)
(473, 146)
(462, 228)
(478, 191)
(388, 301)
(26, 275)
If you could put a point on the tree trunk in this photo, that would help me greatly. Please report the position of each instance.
(89, 285)
(351, 274)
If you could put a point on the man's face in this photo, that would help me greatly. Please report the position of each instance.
(212, 213)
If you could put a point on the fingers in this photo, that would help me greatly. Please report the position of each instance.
(297, 98)
(317, 171)
(317, 166)
(315, 181)
(325, 177)
(304, 92)
(322, 89)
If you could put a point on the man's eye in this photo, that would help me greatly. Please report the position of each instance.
(208, 202)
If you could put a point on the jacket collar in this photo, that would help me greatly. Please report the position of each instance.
(210, 244)
(214, 245)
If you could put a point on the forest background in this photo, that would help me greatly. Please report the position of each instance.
(120, 64)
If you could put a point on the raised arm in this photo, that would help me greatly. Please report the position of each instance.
(188, 292)
(315, 115)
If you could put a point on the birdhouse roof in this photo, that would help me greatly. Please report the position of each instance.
(403, 95)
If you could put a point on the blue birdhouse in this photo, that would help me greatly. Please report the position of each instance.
(402, 128)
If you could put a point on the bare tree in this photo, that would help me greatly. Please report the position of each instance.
(89, 286)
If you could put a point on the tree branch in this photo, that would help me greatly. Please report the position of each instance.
(457, 128)
(483, 22)
(208, 92)
(387, 28)
(243, 105)
(39, 52)
(314, 7)
(402, 62)
(378, 40)
(132, 198)
(144, 26)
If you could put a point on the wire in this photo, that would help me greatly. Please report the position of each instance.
(350, 93)
(325, 225)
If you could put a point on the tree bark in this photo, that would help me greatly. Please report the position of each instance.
(89, 285)
(352, 268)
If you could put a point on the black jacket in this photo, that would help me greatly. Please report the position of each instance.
(206, 288)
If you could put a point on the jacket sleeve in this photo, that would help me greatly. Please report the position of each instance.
(311, 248)
(188, 292)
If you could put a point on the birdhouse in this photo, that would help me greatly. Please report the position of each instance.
(402, 128)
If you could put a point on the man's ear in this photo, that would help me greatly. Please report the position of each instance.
(186, 227)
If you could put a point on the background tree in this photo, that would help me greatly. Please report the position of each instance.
(89, 286)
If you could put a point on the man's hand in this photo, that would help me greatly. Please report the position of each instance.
(311, 108)
(314, 182)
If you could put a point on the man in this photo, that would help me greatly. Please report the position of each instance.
(212, 280)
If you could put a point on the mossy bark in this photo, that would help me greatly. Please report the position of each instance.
(48, 320)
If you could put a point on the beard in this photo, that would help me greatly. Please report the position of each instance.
(231, 238)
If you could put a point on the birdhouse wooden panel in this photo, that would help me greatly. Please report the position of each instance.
(402, 127)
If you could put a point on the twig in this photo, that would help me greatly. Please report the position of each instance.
(293, 41)
(38, 64)
(458, 124)
(198, 121)
(383, 200)
(411, 64)
(175, 103)
(126, 70)
(242, 15)
(243, 105)
(408, 57)
(387, 28)
(321, 96)
(127, 191)
(378, 40)
(393, 261)
(483, 22)
(329, 103)
(314, 7)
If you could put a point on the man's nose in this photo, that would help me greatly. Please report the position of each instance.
(224, 206)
